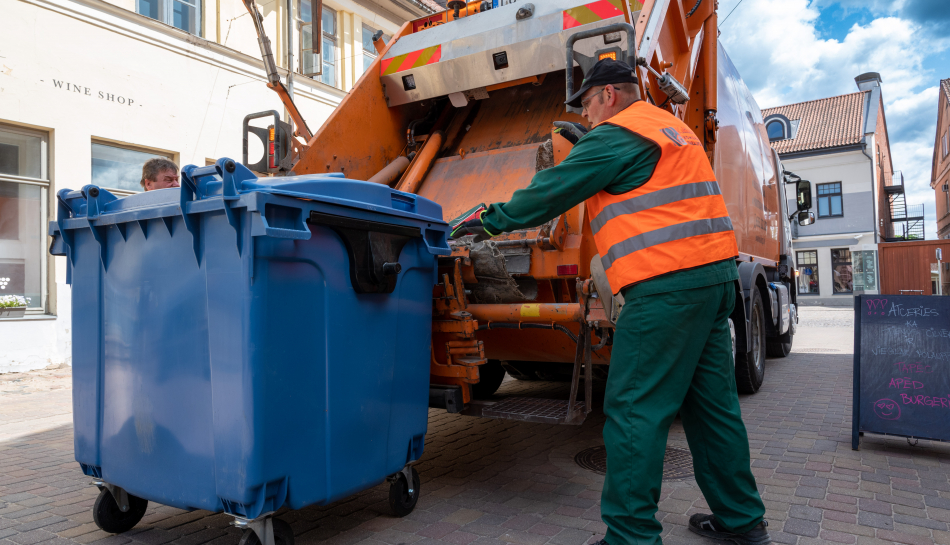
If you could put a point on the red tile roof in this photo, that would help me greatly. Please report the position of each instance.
(824, 123)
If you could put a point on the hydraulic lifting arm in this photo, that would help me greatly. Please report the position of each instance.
(273, 78)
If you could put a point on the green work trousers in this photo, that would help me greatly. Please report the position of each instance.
(672, 352)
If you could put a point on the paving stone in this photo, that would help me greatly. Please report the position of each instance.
(875, 520)
(806, 513)
(801, 527)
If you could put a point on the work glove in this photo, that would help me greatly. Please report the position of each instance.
(470, 223)
(572, 132)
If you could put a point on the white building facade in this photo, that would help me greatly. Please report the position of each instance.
(90, 89)
(840, 145)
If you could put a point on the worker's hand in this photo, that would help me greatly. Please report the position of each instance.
(572, 132)
(470, 223)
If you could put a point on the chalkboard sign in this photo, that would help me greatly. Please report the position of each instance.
(901, 366)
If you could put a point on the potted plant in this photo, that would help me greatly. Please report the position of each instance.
(13, 306)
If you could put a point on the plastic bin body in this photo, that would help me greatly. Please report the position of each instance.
(222, 358)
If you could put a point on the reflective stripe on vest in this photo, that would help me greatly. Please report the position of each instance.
(676, 220)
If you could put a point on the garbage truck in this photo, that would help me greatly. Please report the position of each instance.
(458, 108)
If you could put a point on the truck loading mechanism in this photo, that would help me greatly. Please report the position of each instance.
(461, 105)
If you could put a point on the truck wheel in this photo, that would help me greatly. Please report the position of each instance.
(490, 376)
(776, 349)
(283, 535)
(750, 366)
(402, 498)
(109, 518)
(520, 370)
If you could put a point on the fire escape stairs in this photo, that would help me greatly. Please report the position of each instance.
(906, 221)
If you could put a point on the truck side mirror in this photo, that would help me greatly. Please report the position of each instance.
(806, 218)
(803, 188)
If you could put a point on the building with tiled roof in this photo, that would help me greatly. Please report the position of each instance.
(940, 170)
(840, 145)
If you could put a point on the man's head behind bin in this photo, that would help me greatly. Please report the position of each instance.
(608, 88)
(159, 173)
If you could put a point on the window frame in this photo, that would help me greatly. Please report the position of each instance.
(834, 266)
(333, 37)
(819, 196)
(799, 262)
(45, 184)
(166, 11)
(119, 192)
(367, 53)
(946, 144)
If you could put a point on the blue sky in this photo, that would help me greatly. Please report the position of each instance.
(794, 50)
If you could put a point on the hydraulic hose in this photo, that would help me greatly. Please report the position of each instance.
(525, 325)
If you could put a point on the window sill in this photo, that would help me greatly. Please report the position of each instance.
(31, 318)
(830, 217)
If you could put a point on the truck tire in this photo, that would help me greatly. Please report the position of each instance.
(778, 349)
(750, 366)
(490, 376)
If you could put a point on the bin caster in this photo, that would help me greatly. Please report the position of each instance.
(404, 491)
(116, 511)
(256, 531)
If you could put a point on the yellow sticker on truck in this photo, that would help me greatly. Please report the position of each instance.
(591, 13)
(531, 311)
(408, 61)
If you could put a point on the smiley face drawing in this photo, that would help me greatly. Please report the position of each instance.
(887, 409)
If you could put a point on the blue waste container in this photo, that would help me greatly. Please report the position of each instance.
(249, 343)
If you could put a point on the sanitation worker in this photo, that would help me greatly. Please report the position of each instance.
(666, 241)
(159, 173)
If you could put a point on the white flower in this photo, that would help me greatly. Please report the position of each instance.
(13, 301)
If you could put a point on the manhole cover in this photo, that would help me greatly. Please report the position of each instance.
(677, 463)
(816, 350)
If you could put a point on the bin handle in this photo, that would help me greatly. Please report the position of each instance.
(96, 199)
(260, 227)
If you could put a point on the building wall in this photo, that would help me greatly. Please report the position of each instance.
(883, 171)
(940, 173)
(90, 71)
(854, 231)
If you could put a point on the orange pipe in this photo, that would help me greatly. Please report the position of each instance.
(391, 172)
(412, 180)
(710, 51)
(528, 312)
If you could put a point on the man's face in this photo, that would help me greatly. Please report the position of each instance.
(593, 104)
(165, 179)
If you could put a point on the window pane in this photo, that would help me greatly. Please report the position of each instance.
(148, 8)
(303, 11)
(368, 40)
(22, 241)
(119, 168)
(21, 155)
(870, 270)
(185, 16)
(307, 58)
(836, 205)
(329, 69)
(367, 61)
(776, 130)
(842, 270)
(822, 206)
(329, 21)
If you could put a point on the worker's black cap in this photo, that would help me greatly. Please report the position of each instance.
(605, 72)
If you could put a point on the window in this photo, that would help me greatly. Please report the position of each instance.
(865, 270)
(776, 130)
(842, 271)
(183, 14)
(946, 149)
(369, 50)
(309, 64)
(808, 272)
(24, 183)
(119, 168)
(829, 200)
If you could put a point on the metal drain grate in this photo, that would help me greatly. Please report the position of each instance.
(677, 463)
(815, 350)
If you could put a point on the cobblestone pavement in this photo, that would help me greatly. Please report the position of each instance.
(492, 482)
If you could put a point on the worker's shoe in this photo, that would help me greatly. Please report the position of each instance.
(706, 525)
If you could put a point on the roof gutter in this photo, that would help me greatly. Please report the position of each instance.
(864, 150)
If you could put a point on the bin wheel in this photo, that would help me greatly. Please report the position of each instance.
(109, 518)
(283, 535)
(400, 500)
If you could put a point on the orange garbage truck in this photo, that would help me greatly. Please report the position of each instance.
(459, 108)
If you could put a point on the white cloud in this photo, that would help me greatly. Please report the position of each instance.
(780, 53)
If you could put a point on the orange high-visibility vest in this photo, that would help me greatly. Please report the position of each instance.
(677, 220)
